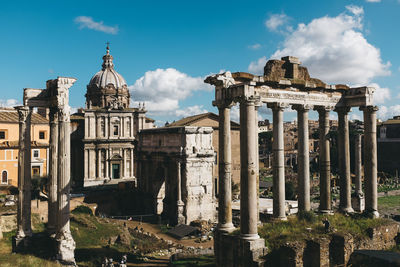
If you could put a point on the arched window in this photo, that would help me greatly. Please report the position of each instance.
(4, 177)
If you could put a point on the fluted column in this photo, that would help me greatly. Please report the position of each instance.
(53, 166)
(248, 176)
(370, 161)
(325, 205)
(99, 174)
(278, 165)
(66, 244)
(344, 159)
(303, 169)
(24, 229)
(225, 170)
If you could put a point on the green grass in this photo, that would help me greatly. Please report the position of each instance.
(198, 261)
(389, 204)
(295, 229)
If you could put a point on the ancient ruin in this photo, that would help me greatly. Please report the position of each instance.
(285, 83)
(175, 167)
(55, 97)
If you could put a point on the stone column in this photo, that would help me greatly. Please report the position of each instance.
(99, 174)
(107, 173)
(325, 204)
(370, 161)
(179, 203)
(24, 230)
(66, 244)
(225, 170)
(278, 165)
(124, 152)
(52, 201)
(357, 200)
(132, 174)
(358, 164)
(85, 164)
(344, 159)
(303, 169)
(248, 176)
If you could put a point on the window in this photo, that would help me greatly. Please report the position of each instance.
(35, 153)
(36, 171)
(3, 134)
(4, 177)
(115, 129)
(42, 135)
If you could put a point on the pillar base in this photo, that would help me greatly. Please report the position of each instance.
(327, 212)
(226, 227)
(249, 236)
(65, 249)
(372, 213)
(346, 210)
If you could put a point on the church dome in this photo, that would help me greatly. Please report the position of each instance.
(107, 75)
(107, 88)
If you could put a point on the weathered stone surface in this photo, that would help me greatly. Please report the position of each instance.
(340, 248)
(374, 258)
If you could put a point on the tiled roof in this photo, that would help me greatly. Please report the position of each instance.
(192, 119)
(12, 116)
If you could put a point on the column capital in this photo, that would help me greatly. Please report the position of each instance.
(371, 109)
(250, 100)
(277, 106)
(23, 112)
(323, 109)
(302, 107)
(342, 109)
(64, 114)
(223, 104)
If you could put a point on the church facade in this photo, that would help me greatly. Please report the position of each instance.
(104, 134)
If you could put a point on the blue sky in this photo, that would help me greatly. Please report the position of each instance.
(164, 49)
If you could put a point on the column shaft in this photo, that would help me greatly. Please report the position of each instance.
(24, 173)
(180, 204)
(248, 176)
(370, 161)
(325, 204)
(358, 183)
(303, 159)
(107, 174)
(52, 201)
(278, 165)
(66, 244)
(224, 171)
(344, 160)
(99, 174)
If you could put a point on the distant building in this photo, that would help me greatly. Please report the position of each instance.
(388, 133)
(211, 120)
(103, 134)
(9, 136)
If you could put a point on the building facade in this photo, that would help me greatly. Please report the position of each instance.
(104, 133)
(9, 135)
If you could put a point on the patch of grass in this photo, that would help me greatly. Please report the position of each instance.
(198, 261)
(307, 226)
(82, 209)
(389, 204)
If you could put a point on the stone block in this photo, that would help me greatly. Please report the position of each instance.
(358, 203)
(340, 249)
(316, 253)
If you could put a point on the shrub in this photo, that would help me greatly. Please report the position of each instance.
(308, 216)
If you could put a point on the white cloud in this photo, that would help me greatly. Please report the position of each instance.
(9, 103)
(381, 94)
(235, 113)
(162, 89)
(190, 111)
(385, 113)
(254, 46)
(373, 1)
(258, 66)
(333, 49)
(275, 21)
(88, 22)
(354, 116)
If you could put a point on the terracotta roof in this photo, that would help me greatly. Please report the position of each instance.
(12, 116)
(188, 121)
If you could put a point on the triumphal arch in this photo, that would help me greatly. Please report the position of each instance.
(55, 97)
(285, 84)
